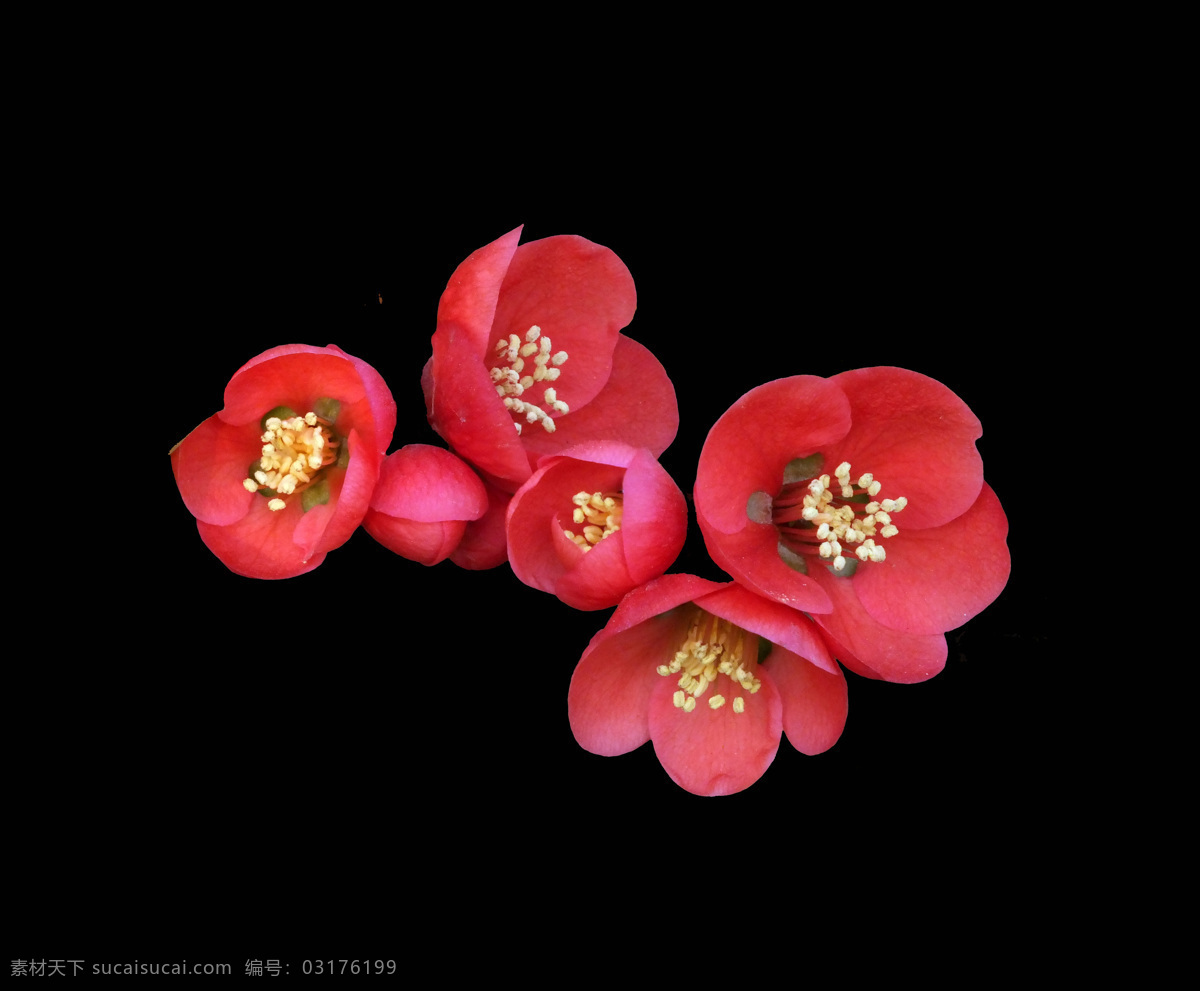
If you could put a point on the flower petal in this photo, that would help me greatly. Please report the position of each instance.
(296, 376)
(260, 544)
(465, 410)
(776, 622)
(637, 406)
(580, 295)
(716, 751)
(871, 649)
(815, 702)
(609, 698)
(935, 580)
(209, 465)
(414, 540)
(428, 484)
(917, 437)
(484, 544)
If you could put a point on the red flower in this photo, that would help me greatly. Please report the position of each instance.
(528, 358)
(594, 523)
(886, 555)
(678, 664)
(422, 503)
(284, 473)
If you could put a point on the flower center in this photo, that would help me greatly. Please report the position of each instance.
(295, 451)
(600, 515)
(511, 384)
(713, 653)
(817, 518)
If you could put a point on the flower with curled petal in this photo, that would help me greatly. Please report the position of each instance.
(858, 499)
(594, 522)
(713, 675)
(284, 472)
(529, 359)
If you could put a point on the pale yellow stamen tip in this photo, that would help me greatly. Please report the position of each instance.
(275, 505)
(716, 701)
(509, 383)
(739, 704)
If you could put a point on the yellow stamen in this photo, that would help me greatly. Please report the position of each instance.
(511, 385)
(821, 516)
(600, 515)
(294, 451)
(713, 649)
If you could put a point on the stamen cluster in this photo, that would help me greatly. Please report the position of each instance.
(600, 514)
(703, 656)
(511, 384)
(835, 521)
(294, 450)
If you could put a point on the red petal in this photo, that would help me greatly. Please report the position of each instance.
(609, 698)
(652, 599)
(468, 413)
(776, 622)
(815, 702)
(637, 406)
(872, 649)
(716, 751)
(296, 376)
(581, 295)
(935, 580)
(459, 395)
(752, 557)
(915, 436)
(654, 519)
(425, 543)
(470, 298)
(428, 484)
(260, 545)
(484, 544)
(210, 464)
(349, 496)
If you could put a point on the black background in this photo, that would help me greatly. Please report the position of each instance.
(418, 741)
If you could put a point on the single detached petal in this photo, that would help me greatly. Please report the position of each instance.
(815, 701)
(935, 580)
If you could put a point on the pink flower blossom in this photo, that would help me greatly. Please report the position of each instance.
(594, 522)
(284, 473)
(528, 358)
(679, 664)
(422, 503)
(860, 500)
